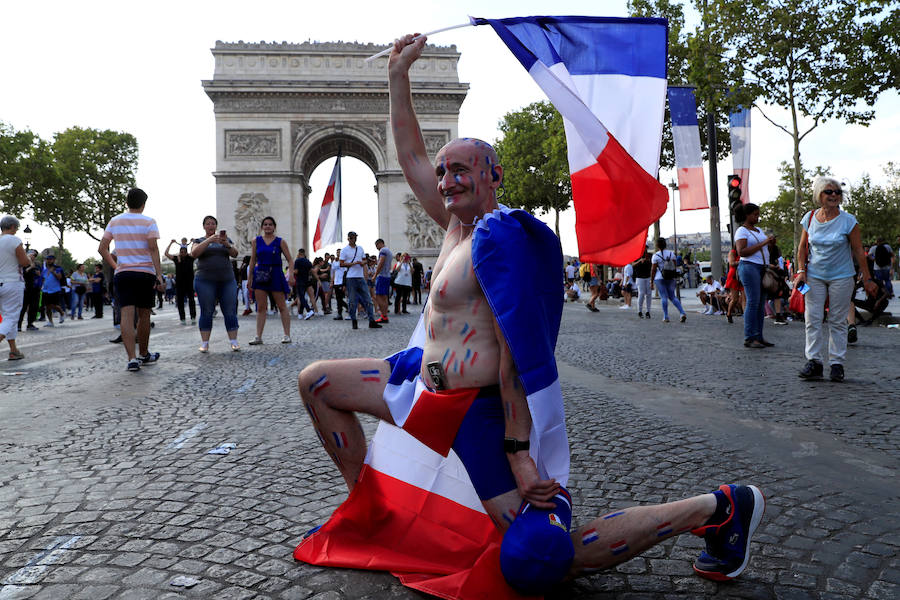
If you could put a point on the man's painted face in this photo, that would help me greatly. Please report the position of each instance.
(467, 175)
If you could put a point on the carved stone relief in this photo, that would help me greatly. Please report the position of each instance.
(226, 103)
(257, 144)
(251, 210)
(421, 230)
(434, 141)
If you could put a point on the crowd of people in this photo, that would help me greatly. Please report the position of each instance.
(206, 273)
(837, 275)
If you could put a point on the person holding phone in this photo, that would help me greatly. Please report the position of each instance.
(830, 240)
(214, 282)
(752, 246)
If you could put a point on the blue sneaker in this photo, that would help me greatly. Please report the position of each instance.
(728, 544)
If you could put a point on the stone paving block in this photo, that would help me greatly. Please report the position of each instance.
(882, 590)
(19, 592)
(57, 591)
(160, 562)
(63, 574)
(235, 593)
(102, 575)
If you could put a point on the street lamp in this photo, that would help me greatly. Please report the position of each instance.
(27, 232)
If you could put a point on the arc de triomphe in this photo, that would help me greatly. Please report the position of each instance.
(282, 109)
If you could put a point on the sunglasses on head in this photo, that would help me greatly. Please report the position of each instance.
(833, 192)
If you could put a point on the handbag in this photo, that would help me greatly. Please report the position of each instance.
(770, 282)
(262, 274)
(797, 302)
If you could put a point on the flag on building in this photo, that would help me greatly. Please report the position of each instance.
(740, 149)
(607, 77)
(328, 228)
(688, 158)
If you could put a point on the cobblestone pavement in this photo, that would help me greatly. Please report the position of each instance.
(107, 490)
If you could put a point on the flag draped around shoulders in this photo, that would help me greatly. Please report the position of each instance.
(739, 129)
(414, 511)
(328, 228)
(607, 77)
(688, 158)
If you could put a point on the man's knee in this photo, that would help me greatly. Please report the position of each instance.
(307, 378)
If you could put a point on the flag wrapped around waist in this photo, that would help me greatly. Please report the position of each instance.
(688, 158)
(607, 77)
(328, 227)
(739, 129)
(414, 511)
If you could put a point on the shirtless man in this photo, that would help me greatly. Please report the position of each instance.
(457, 191)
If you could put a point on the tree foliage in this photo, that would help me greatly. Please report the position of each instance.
(690, 63)
(535, 164)
(876, 207)
(77, 182)
(819, 60)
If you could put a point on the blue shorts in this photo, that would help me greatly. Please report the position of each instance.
(479, 445)
(382, 285)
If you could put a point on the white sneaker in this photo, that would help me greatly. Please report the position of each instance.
(204, 347)
(719, 312)
(309, 315)
(256, 341)
(286, 339)
(235, 346)
(624, 307)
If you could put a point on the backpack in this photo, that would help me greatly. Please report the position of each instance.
(882, 255)
(669, 271)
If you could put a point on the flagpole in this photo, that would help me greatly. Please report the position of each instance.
(674, 187)
(387, 50)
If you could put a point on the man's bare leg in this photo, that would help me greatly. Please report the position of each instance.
(332, 391)
(126, 328)
(143, 332)
(620, 535)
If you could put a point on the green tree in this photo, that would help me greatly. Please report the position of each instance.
(535, 164)
(689, 64)
(778, 215)
(18, 169)
(109, 161)
(819, 60)
(876, 208)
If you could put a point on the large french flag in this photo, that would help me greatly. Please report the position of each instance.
(328, 228)
(414, 511)
(740, 149)
(607, 77)
(688, 158)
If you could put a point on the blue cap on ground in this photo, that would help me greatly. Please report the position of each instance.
(537, 550)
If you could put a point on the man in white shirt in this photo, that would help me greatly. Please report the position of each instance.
(353, 258)
(709, 294)
(570, 272)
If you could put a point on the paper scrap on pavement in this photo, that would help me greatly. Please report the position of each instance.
(225, 448)
(185, 581)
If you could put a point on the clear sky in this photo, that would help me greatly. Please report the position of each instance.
(137, 67)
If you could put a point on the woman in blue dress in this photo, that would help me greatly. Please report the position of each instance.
(267, 276)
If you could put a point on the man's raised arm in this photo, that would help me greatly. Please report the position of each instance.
(413, 158)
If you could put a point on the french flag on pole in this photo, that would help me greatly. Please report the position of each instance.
(740, 149)
(688, 159)
(328, 229)
(607, 77)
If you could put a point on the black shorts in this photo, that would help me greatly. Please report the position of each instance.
(135, 289)
(51, 298)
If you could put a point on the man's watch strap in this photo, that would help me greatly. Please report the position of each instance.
(512, 445)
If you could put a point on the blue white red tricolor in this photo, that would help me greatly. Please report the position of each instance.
(328, 228)
(420, 494)
(739, 123)
(688, 158)
(607, 77)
